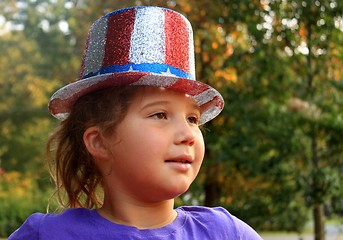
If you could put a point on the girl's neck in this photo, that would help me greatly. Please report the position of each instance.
(139, 215)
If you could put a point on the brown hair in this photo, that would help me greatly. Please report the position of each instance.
(72, 168)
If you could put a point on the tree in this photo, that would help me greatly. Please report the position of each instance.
(285, 111)
(314, 46)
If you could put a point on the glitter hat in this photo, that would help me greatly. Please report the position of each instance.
(141, 46)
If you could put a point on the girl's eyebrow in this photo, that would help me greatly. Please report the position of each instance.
(165, 102)
(155, 103)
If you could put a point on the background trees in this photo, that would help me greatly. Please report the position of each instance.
(273, 154)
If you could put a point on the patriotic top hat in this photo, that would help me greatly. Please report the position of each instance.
(142, 46)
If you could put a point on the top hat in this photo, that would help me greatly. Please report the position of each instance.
(141, 46)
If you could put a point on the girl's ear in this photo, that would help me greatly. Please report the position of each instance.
(94, 142)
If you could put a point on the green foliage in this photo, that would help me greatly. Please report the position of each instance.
(20, 196)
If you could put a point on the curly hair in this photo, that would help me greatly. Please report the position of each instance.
(77, 179)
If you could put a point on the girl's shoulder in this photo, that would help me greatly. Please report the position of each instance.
(30, 228)
(207, 214)
(217, 219)
(37, 223)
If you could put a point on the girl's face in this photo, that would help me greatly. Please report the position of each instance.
(158, 148)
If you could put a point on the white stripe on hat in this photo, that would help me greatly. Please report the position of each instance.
(191, 49)
(96, 47)
(205, 96)
(148, 38)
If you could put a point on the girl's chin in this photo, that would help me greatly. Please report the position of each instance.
(177, 192)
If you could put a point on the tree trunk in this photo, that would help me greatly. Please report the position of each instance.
(212, 194)
(318, 207)
(318, 218)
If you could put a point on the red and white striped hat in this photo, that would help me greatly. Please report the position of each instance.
(142, 46)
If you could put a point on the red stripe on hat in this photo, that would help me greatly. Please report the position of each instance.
(119, 32)
(177, 41)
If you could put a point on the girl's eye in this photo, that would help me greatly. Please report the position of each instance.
(194, 120)
(160, 115)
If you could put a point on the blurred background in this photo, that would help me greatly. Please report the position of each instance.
(274, 156)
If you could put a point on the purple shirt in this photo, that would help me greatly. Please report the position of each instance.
(191, 223)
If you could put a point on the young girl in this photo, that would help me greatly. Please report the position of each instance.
(130, 127)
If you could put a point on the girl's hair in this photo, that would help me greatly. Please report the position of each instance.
(72, 168)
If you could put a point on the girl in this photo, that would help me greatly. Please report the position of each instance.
(130, 126)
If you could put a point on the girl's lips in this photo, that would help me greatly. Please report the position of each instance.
(180, 164)
(185, 159)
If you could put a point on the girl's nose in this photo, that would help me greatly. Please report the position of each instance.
(185, 133)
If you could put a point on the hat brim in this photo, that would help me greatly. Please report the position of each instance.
(208, 99)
